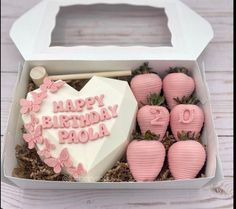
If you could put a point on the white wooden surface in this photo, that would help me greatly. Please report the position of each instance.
(219, 67)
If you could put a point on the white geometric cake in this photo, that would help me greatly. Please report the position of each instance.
(82, 133)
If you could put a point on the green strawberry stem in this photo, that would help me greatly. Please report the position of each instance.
(187, 100)
(151, 136)
(183, 136)
(189, 135)
(147, 136)
(178, 70)
(155, 99)
(143, 69)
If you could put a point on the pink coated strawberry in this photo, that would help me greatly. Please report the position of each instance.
(153, 117)
(186, 118)
(145, 159)
(186, 158)
(177, 84)
(145, 83)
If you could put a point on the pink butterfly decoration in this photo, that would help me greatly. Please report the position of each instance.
(34, 137)
(46, 151)
(30, 126)
(28, 106)
(77, 171)
(38, 97)
(58, 163)
(50, 85)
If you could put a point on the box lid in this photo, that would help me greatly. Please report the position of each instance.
(32, 34)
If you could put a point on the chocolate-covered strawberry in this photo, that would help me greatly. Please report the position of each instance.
(177, 83)
(145, 156)
(145, 82)
(186, 158)
(186, 117)
(153, 116)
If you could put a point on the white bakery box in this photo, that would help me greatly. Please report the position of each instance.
(190, 34)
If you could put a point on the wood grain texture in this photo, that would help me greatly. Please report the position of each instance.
(219, 72)
(122, 25)
(219, 196)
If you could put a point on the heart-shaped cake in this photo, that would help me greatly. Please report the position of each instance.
(80, 133)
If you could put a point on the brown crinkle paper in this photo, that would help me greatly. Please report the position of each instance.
(30, 166)
(119, 173)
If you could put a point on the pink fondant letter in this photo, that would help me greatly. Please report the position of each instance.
(62, 136)
(92, 135)
(79, 104)
(72, 138)
(46, 122)
(55, 122)
(83, 136)
(103, 130)
(113, 110)
(84, 120)
(99, 99)
(89, 102)
(64, 121)
(74, 119)
(94, 117)
(69, 106)
(58, 106)
(104, 114)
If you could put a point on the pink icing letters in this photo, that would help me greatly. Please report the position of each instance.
(69, 106)
(74, 119)
(94, 117)
(64, 121)
(92, 135)
(83, 136)
(89, 102)
(72, 138)
(62, 136)
(99, 99)
(113, 110)
(47, 122)
(104, 114)
(55, 122)
(57, 106)
(84, 120)
(79, 104)
(103, 130)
